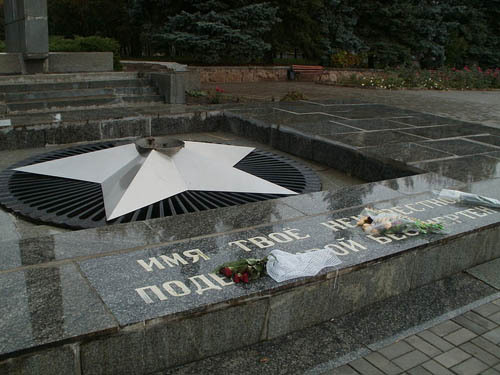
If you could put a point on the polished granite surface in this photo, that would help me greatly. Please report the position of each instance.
(60, 287)
(121, 289)
(407, 152)
(43, 305)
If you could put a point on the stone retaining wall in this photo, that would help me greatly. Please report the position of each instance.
(236, 74)
(242, 74)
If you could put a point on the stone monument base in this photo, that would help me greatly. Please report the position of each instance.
(57, 62)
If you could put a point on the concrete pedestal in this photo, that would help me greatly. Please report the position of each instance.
(26, 32)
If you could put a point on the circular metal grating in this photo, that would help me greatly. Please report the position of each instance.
(79, 204)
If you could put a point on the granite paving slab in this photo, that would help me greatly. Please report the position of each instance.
(495, 154)
(324, 201)
(45, 305)
(407, 152)
(487, 272)
(450, 131)
(458, 147)
(466, 169)
(307, 351)
(374, 124)
(329, 128)
(393, 315)
(421, 183)
(366, 139)
(39, 250)
(490, 139)
(421, 119)
(487, 188)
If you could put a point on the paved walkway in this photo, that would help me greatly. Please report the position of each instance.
(475, 106)
(465, 345)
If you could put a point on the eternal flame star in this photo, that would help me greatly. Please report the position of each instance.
(131, 179)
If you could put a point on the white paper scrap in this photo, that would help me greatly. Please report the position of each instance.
(282, 266)
(5, 122)
(469, 198)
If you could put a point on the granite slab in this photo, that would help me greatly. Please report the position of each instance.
(305, 351)
(347, 111)
(449, 131)
(407, 152)
(94, 242)
(118, 278)
(393, 316)
(130, 284)
(45, 305)
(374, 124)
(44, 249)
(366, 139)
(458, 147)
(487, 272)
(422, 183)
(295, 354)
(325, 201)
(487, 188)
(490, 139)
(422, 119)
(52, 361)
(327, 128)
(495, 154)
(466, 169)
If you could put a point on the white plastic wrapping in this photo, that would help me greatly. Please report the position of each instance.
(282, 266)
(462, 197)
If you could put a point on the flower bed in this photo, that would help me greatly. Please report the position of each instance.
(461, 79)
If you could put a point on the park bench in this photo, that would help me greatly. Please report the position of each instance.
(305, 70)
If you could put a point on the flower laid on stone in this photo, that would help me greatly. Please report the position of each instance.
(379, 222)
(244, 270)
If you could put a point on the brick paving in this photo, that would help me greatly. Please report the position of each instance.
(468, 344)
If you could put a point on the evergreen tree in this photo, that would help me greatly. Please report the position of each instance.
(399, 32)
(213, 31)
(300, 28)
(340, 22)
(2, 21)
(89, 17)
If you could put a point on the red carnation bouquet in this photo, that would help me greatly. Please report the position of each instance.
(244, 270)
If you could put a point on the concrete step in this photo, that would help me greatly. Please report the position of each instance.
(25, 96)
(111, 112)
(143, 98)
(43, 105)
(76, 85)
(73, 77)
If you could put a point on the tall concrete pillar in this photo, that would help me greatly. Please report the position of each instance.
(27, 32)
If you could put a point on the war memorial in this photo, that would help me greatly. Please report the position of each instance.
(138, 198)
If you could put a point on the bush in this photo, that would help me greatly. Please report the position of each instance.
(345, 59)
(2, 46)
(87, 44)
(293, 96)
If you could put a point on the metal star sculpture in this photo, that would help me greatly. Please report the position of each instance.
(133, 177)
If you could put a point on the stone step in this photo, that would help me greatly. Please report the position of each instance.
(26, 96)
(69, 115)
(43, 105)
(73, 77)
(50, 86)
